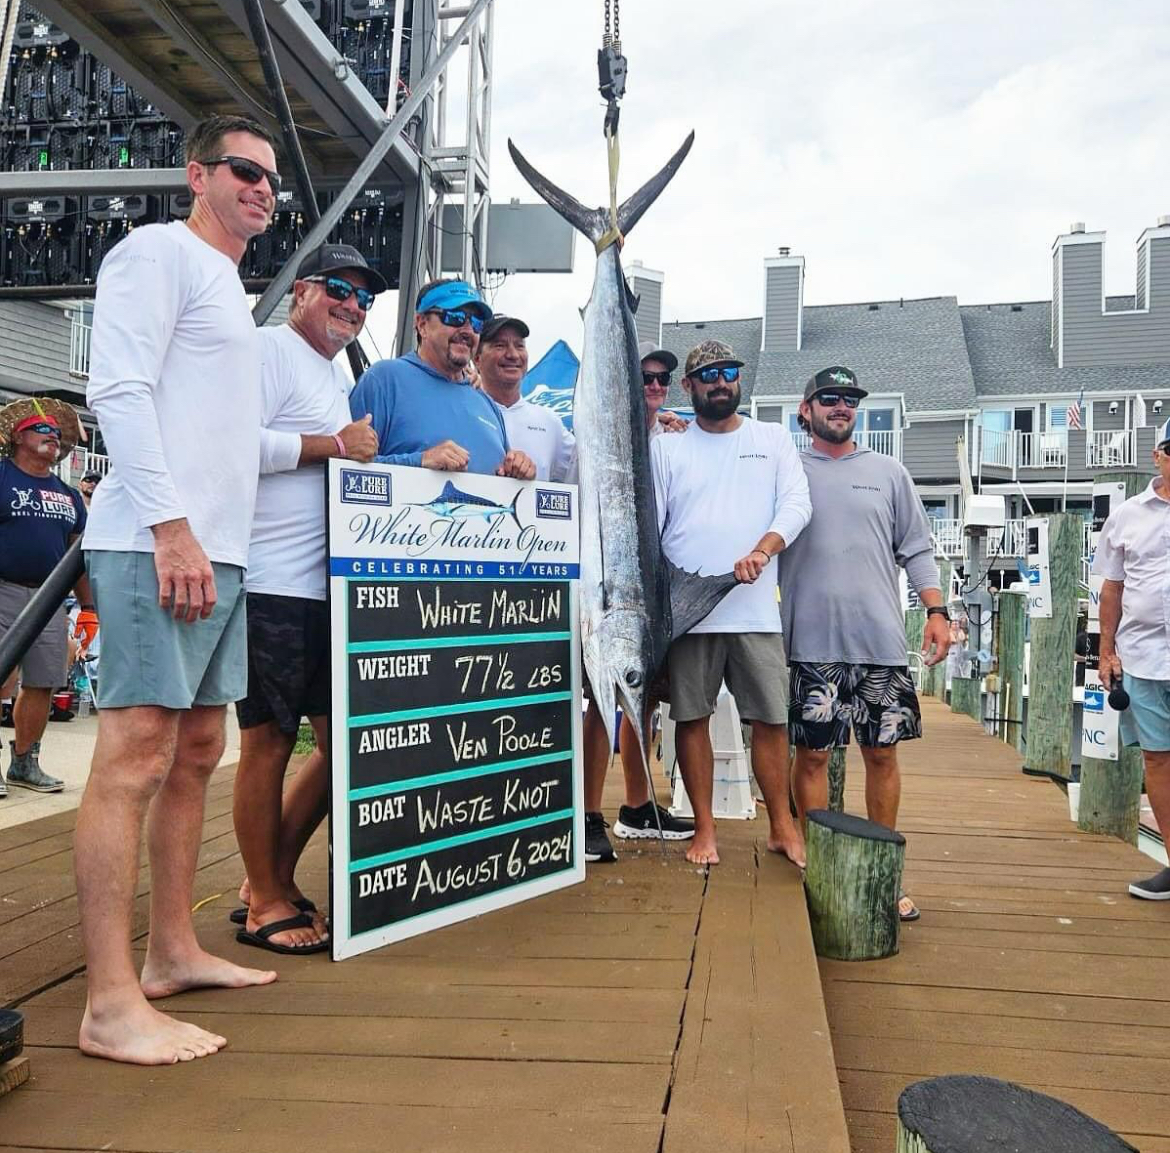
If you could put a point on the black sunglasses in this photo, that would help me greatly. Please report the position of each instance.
(458, 317)
(246, 170)
(832, 399)
(649, 378)
(338, 288)
(45, 429)
(710, 375)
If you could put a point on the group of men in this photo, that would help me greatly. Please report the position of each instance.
(204, 552)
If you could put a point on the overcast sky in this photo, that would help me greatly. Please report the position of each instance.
(904, 147)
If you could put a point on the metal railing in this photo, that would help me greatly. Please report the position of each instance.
(1012, 449)
(1012, 543)
(887, 441)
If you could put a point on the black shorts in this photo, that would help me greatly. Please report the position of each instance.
(877, 701)
(288, 662)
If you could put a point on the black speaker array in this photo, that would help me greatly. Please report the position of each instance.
(63, 109)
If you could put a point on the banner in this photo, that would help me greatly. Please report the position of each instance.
(456, 747)
(1039, 585)
(551, 381)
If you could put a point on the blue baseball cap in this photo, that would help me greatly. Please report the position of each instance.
(453, 294)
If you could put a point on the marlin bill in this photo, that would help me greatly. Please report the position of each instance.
(633, 601)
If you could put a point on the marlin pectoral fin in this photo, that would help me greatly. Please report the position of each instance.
(591, 221)
(631, 211)
(693, 596)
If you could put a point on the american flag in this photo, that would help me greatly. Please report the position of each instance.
(1073, 412)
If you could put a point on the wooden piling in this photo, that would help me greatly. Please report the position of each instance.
(967, 1114)
(1111, 791)
(1013, 621)
(935, 683)
(1050, 680)
(852, 880)
(837, 780)
(967, 696)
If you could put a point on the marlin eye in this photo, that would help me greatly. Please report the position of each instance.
(633, 678)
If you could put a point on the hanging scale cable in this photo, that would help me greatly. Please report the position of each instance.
(611, 82)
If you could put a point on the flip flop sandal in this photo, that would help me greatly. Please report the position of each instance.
(914, 913)
(240, 916)
(261, 939)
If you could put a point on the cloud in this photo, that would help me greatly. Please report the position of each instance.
(913, 149)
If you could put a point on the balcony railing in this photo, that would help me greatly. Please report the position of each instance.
(80, 333)
(1111, 448)
(1011, 544)
(79, 462)
(887, 441)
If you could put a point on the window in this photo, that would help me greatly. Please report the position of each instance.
(875, 419)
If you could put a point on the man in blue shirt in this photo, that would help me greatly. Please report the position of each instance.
(40, 517)
(422, 406)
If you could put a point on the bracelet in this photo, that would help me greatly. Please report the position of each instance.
(340, 447)
(767, 556)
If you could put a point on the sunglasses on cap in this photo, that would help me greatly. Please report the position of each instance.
(832, 399)
(458, 317)
(44, 428)
(659, 378)
(710, 375)
(246, 170)
(338, 288)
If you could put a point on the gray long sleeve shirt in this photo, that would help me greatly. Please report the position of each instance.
(839, 596)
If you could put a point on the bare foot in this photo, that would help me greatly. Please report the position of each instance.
(789, 843)
(291, 938)
(702, 851)
(141, 1035)
(199, 971)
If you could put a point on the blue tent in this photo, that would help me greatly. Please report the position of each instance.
(551, 381)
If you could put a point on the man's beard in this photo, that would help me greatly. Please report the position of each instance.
(717, 408)
(826, 431)
(453, 356)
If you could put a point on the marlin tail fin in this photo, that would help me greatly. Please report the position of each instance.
(631, 211)
(515, 501)
(693, 596)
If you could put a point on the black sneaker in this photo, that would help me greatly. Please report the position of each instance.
(597, 846)
(1155, 888)
(639, 822)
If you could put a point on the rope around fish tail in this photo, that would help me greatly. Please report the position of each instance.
(653, 795)
(614, 152)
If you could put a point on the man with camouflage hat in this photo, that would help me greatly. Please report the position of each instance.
(731, 494)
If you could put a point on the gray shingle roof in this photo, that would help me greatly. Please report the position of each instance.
(914, 347)
(1011, 355)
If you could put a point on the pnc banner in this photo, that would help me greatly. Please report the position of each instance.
(1039, 582)
(456, 762)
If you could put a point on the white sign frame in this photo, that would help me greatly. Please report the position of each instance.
(397, 525)
(1039, 580)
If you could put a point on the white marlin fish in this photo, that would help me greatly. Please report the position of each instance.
(453, 504)
(634, 602)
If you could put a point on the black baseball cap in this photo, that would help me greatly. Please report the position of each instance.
(95, 476)
(836, 378)
(339, 258)
(500, 321)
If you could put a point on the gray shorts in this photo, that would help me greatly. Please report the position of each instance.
(44, 666)
(148, 657)
(752, 664)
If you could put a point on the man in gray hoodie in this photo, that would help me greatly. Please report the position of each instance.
(842, 608)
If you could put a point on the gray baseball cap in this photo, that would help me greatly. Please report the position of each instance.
(647, 351)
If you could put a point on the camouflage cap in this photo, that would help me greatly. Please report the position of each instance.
(708, 353)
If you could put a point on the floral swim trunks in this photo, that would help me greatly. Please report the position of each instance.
(826, 700)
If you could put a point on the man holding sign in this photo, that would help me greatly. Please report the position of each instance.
(1133, 558)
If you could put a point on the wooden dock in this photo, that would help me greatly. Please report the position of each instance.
(652, 1008)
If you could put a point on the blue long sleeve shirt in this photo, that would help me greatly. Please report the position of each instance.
(414, 408)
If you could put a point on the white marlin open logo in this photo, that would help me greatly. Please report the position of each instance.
(461, 521)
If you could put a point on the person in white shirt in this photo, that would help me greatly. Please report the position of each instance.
(1133, 558)
(502, 363)
(731, 494)
(306, 419)
(175, 384)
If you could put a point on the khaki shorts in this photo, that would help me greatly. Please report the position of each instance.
(753, 665)
(44, 666)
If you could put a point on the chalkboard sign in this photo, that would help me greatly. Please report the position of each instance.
(455, 730)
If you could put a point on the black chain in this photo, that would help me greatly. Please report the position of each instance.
(617, 23)
(607, 37)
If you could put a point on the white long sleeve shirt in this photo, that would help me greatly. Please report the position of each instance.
(717, 495)
(175, 384)
(536, 430)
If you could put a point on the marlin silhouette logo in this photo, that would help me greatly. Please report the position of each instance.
(841, 377)
(454, 504)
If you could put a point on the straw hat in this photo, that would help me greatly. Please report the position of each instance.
(12, 414)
